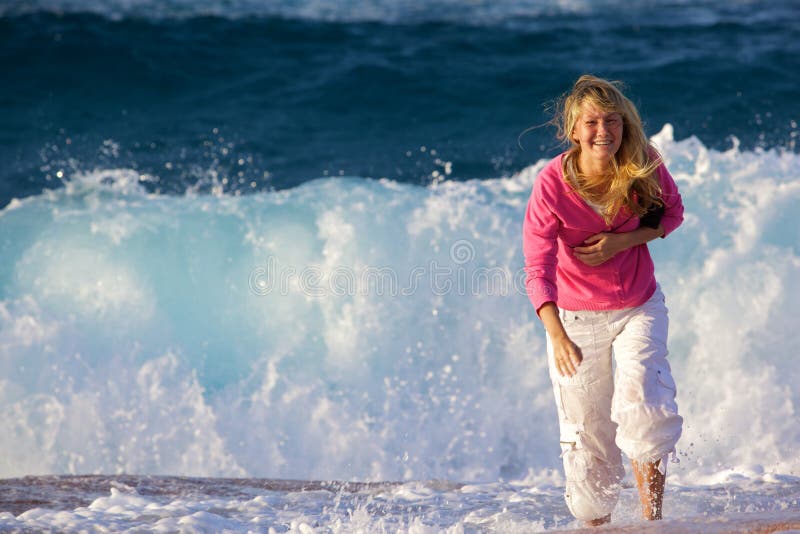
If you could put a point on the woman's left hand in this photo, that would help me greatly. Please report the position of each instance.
(601, 247)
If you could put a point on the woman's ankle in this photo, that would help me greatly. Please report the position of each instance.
(650, 482)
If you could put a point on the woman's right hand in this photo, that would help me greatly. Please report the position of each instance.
(567, 354)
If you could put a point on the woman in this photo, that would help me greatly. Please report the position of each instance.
(591, 280)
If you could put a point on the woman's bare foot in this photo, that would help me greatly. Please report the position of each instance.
(599, 521)
(651, 488)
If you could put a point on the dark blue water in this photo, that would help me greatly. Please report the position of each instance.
(254, 98)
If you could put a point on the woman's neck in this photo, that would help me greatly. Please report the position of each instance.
(593, 167)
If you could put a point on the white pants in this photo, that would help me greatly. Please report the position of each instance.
(601, 411)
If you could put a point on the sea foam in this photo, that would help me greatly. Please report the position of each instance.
(370, 330)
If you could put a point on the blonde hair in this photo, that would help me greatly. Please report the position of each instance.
(632, 182)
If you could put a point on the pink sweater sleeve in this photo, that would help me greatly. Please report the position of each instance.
(539, 245)
(673, 205)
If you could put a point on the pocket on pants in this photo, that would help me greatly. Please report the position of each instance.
(665, 384)
(568, 317)
(639, 387)
(576, 465)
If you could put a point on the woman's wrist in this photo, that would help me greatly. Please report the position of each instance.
(642, 235)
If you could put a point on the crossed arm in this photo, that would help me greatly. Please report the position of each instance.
(601, 247)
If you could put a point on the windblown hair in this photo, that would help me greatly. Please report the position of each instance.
(632, 182)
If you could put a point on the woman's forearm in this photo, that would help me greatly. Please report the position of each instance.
(548, 313)
(642, 235)
(600, 248)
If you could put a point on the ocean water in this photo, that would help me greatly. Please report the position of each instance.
(261, 264)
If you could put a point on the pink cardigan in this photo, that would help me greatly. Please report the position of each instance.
(558, 219)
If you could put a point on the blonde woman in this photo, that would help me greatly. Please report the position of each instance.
(590, 278)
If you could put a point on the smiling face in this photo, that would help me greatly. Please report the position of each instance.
(599, 134)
